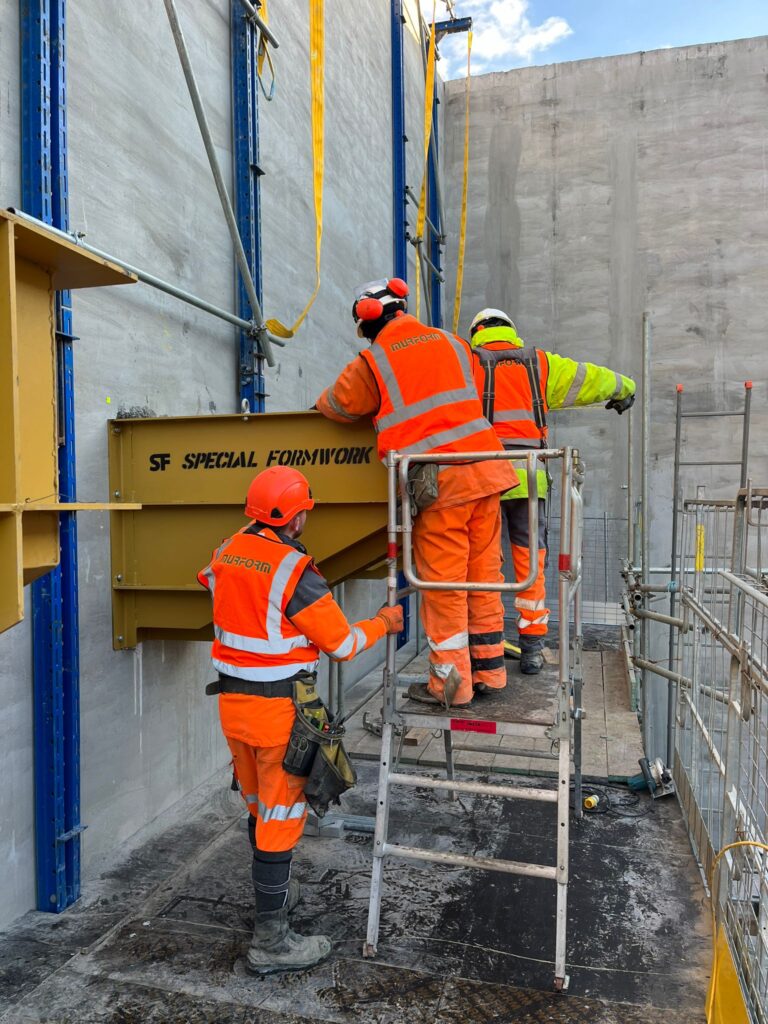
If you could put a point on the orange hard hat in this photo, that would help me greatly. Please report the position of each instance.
(277, 494)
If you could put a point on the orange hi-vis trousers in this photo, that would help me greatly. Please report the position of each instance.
(464, 629)
(530, 604)
(274, 797)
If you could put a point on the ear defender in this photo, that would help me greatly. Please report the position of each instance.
(368, 309)
(397, 287)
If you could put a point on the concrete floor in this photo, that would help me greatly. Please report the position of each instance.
(158, 938)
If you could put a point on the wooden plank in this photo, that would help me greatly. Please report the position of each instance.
(624, 744)
(615, 683)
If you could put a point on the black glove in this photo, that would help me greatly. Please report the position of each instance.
(621, 404)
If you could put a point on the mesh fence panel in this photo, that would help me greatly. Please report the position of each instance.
(604, 547)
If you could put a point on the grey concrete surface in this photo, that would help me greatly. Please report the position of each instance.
(604, 188)
(141, 188)
(161, 936)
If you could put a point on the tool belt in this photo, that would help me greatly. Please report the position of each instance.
(315, 750)
(229, 684)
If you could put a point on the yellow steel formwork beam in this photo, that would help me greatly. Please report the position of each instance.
(34, 264)
(190, 476)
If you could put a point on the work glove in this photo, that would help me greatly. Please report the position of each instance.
(393, 618)
(621, 404)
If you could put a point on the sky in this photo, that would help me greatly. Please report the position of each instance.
(517, 33)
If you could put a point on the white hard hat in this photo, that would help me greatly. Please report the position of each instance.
(490, 314)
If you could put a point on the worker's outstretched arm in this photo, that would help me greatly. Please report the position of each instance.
(353, 395)
(313, 610)
(572, 384)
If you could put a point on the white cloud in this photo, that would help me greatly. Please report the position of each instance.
(503, 35)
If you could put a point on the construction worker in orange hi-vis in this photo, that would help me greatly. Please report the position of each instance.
(516, 397)
(416, 381)
(273, 614)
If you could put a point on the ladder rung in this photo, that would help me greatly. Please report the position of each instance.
(510, 867)
(484, 788)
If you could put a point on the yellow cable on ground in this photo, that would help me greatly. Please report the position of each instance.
(317, 69)
(463, 221)
(713, 983)
(429, 96)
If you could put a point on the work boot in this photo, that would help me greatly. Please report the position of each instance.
(531, 655)
(276, 947)
(421, 693)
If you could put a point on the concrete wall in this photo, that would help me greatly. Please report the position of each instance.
(603, 188)
(141, 188)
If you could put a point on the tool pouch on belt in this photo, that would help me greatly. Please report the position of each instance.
(331, 774)
(315, 750)
(422, 484)
(308, 727)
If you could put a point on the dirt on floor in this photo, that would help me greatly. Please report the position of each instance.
(161, 937)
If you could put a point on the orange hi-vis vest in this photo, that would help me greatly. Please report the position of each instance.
(508, 401)
(251, 579)
(429, 402)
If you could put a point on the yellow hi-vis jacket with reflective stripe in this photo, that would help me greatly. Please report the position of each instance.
(569, 384)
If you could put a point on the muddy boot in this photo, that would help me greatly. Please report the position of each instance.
(531, 655)
(275, 947)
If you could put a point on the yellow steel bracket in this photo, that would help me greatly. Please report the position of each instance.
(190, 476)
(34, 264)
(464, 187)
(317, 78)
(725, 999)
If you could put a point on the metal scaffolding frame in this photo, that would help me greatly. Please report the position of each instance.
(721, 739)
(564, 727)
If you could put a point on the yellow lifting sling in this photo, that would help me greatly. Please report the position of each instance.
(429, 95)
(463, 221)
(317, 73)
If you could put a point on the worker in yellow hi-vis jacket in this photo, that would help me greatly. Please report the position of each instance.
(516, 397)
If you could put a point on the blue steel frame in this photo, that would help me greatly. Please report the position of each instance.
(399, 207)
(399, 200)
(56, 664)
(433, 210)
(245, 132)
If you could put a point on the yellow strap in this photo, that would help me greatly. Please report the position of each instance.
(699, 560)
(463, 222)
(429, 95)
(317, 69)
(263, 53)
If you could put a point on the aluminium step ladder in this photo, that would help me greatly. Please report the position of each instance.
(553, 711)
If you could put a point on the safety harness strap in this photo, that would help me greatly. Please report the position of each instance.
(527, 357)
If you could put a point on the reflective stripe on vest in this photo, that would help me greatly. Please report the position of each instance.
(410, 418)
(253, 640)
(402, 412)
(263, 673)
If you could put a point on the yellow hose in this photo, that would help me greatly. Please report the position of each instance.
(317, 71)
(429, 95)
(463, 222)
(725, 849)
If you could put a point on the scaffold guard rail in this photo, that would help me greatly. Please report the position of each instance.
(557, 719)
